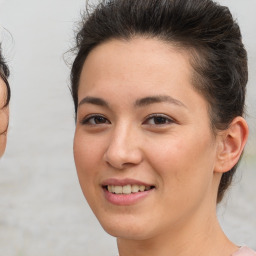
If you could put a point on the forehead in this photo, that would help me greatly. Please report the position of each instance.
(134, 62)
(121, 72)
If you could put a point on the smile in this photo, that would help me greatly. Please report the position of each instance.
(127, 189)
(125, 192)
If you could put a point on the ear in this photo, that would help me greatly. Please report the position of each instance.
(231, 144)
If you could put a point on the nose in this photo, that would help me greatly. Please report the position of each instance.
(124, 148)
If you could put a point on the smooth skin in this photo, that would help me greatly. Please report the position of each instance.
(4, 117)
(140, 117)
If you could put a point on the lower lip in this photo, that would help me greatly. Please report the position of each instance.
(125, 200)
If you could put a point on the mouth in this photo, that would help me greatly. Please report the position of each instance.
(127, 189)
(126, 192)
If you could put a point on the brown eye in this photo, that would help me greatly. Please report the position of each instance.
(99, 120)
(95, 120)
(158, 120)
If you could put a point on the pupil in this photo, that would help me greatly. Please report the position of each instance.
(160, 120)
(99, 120)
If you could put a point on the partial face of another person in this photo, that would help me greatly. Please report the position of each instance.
(144, 149)
(4, 117)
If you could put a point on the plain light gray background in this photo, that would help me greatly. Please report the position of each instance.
(42, 209)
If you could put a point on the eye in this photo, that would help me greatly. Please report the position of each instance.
(95, 120)
(158, 119)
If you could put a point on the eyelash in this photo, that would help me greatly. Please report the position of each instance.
(87, 119)
(163, 119)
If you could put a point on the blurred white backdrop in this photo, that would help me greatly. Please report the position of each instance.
(42, 209)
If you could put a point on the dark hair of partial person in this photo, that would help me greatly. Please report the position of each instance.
(4, 74)
(203, 28)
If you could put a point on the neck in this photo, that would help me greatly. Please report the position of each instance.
(201, 237)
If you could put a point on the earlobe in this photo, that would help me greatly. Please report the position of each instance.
(231, 145)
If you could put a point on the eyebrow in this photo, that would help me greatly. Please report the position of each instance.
(138, 103)
(93, 100)
(158, 99)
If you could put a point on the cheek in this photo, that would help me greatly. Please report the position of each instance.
(88, 155)
(84, 161)
(4, 120)
(85, 154)
(2, 144)
(184, 164)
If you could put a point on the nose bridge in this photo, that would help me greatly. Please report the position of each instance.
(123, 146)
(121, 134)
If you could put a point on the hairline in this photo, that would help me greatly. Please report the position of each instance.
(194, 54)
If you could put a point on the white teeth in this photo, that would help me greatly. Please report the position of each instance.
(135, 188)
(118, 189)
(127, 189)
(109, 188)
(142, 188)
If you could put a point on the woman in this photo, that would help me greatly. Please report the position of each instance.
(159, 90)
(4, 102)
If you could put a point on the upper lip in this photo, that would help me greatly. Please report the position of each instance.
(123, 182)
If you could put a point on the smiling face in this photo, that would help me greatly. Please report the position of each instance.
(143, 147)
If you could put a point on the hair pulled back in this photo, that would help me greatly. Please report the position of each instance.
(204, 28)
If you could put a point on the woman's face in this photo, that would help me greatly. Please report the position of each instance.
(142, 126)
(4, 117)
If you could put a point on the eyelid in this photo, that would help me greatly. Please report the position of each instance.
(88, 117)
(170, 119)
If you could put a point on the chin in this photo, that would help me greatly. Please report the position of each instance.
(131, 228)
(128, 234)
